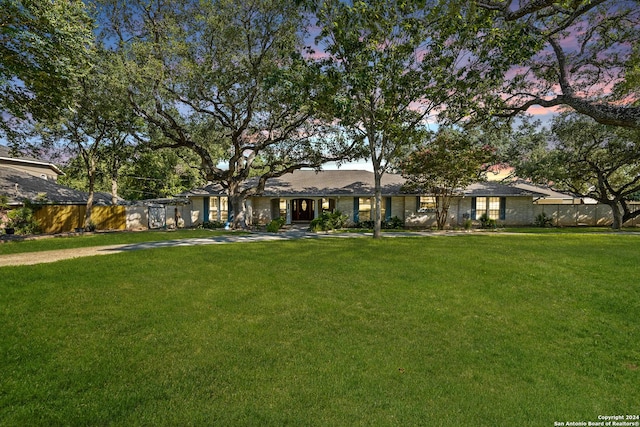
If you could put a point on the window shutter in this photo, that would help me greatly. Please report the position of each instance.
(356, 209)
(205, 209)
(387, 208)
(417, 203)
(473, 208)
(503, 208)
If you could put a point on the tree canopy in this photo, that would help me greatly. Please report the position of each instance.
(445, 165)
(228, 81)
(584, 57)
(44, 48)
(397, 64)
(588, 159)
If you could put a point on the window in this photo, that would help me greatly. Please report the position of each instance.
(328, 205)
(493, 207)
(427, 204)
(364, 209)
(218, 209)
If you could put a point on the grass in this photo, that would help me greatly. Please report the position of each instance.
(101, 239)
(482, 329)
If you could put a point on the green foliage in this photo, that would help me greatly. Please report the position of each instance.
(468, 224)
(329, 221)
(276, 224)
(227, 81)
(213, 225)
(22, 219)
(585, 158)
(44, 49)
(542, 220)
(393, 223)
(539, 38)
(445, 164)
(486, 222)
(386, 58)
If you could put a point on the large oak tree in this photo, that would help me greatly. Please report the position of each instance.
(228, 81)
(588, 159)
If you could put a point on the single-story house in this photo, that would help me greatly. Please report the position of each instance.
(303, 195)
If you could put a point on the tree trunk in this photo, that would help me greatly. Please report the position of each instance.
(114, 190)
(87, 216)
(617, 216)
(237, 205)
(442, 208)
(377, 226)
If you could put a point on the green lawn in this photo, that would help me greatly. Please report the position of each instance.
(482, 329)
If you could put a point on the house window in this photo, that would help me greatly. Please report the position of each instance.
(328, 205)
(364, 209)
(218, 208)
(493, 211)
(493, 207)
(426, 204)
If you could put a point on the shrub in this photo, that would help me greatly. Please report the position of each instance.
(329, 221)
(22, 219)
(467, 224)
(276, 224)
(542, 220)
(486, 222)
(212, 225)
(394, 223)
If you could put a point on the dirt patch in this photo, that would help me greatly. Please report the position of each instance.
(31, 258)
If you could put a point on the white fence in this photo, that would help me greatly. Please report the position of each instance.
(576, 215)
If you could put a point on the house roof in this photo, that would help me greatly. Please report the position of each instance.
(496, 189)
(546, 191)
(18, 185)
(7, 158)
(357, 183)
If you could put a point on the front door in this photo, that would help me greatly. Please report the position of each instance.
(302, 209)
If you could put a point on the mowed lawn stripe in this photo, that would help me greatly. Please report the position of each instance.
(467, 330)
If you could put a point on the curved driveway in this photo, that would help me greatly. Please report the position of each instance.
(31, 258)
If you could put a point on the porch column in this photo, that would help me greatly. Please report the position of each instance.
(288, 211)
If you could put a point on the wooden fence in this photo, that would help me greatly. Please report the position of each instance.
(63, 218)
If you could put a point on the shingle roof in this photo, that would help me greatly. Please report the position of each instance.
(353, 183)
(495, 189)
(18, 185)
(331, 183)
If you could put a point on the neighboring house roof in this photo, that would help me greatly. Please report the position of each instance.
(7, 159)
(329, 183)
(547, 193)
(19, 185)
